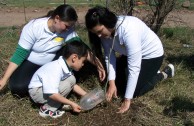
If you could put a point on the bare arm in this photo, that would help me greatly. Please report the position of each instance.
(17, 58)
(77, 89)
(95, 61)
(61, 99)
(10, 69)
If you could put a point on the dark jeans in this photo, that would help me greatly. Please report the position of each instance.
(148, 76)
(21, 77)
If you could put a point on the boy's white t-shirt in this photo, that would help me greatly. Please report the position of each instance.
(134, 39)
(49, 76)
(41, 42)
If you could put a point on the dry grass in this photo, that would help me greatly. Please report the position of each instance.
(170, 103)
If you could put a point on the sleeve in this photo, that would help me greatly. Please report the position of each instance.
(134, 66)
(132, 42)
(111, 67)
(20, 55)
(28, 36)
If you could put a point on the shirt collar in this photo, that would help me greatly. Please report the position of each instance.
(120, 20)
(64, 65)
(70, 69)
(47, 28)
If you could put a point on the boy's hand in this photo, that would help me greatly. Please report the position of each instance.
(76, 107)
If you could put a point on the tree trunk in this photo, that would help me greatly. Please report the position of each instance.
(160, 8)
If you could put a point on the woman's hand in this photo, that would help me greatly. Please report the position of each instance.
(124, 106)
(102, 74)
(112, 91)
(10, 69)
(95, 61)
(2, 84)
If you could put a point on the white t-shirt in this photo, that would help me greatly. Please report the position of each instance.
(42, 43)
(50, 75)
(134, 39)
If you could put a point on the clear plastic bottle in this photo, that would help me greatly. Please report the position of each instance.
(91, 99)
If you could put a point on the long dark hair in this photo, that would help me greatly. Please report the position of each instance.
(65, 12)
(99, 15)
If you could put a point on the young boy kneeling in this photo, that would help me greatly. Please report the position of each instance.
(53, 81)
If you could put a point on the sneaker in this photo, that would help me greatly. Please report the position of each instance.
(46, 113)
(158, 72)
(169, 70)
(67, 107)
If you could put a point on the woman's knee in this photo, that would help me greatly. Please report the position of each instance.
(19, 90)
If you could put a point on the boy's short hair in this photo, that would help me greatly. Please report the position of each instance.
(75, 47)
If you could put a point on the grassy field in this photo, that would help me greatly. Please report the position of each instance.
(170, 103)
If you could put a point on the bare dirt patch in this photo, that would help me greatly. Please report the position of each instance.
(181, 17)
(16, 16)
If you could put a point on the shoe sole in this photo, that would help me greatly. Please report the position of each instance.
(172, 68)
(46, 115)
(43, 115)
(58, 115)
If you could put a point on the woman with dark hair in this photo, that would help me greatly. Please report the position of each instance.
(136, 42)
(41, 39)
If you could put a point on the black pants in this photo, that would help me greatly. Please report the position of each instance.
(148, 76)
(21, 77)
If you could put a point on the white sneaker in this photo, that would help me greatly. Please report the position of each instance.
(169, 70)
(53, 114)
(67, 107)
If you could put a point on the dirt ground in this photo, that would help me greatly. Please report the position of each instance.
(16, 17)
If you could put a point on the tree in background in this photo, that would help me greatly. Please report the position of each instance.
(158, 10)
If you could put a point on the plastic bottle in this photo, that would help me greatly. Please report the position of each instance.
(91, 99)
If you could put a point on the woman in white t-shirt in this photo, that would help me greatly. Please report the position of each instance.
(39, 43)
(136, 42)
